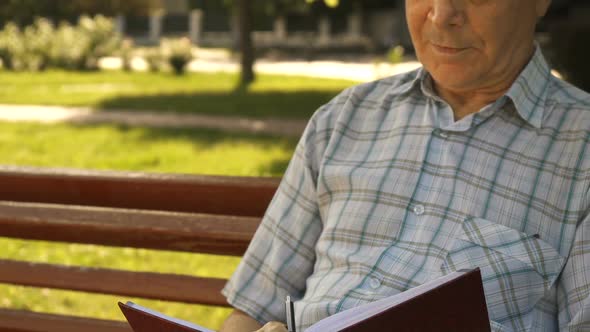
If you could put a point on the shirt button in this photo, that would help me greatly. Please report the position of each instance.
(419, 209)
(374, 282)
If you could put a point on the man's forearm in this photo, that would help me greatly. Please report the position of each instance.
(239, 321)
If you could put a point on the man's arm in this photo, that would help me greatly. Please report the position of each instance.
(281, 255)
(238, 321)
(574, 285)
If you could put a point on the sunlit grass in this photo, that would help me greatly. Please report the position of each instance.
(143, 149)
(200, 93)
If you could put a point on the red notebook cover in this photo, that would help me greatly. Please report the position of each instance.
(142, 321)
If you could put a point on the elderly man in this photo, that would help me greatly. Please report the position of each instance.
(479, 159)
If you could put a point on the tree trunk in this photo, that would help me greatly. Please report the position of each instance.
(246, 47)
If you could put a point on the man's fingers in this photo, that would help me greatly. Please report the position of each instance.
(273, 327)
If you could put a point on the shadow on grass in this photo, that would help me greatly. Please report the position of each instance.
(282, 105)
(202, 136)
(277, 167)
(204, 141)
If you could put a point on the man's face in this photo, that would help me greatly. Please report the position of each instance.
(473, 44)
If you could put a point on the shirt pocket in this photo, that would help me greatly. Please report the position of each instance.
(358, 205)
(517, 268)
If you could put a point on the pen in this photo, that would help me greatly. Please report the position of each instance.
(290, 314)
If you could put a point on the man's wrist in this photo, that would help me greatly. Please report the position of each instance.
(239, 321)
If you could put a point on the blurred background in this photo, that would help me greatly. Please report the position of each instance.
(201, 87)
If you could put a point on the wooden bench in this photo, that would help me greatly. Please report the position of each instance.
(201, 214)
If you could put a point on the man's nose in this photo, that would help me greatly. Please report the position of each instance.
(446, 13)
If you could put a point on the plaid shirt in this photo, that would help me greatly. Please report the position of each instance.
(386, 191)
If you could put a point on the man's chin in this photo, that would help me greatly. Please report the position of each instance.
(457, 78)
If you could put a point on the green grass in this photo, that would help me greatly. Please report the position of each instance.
(143, 149)
(129, 148)
(197, 93)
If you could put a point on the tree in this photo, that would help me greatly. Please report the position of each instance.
(113, 7)
(244, 10)
(24, 11)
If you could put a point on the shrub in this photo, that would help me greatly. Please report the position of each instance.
(154, 58)
(178, 53)
(69, 48)
(40, 45)
(126, 52)
(102, 37)
(11, 46)
(37, 42)
(395, 54)
(26, 49)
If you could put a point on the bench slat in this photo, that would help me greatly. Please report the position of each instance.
(26, 321)
(203, 214)
(168, 287)
(169, 192)
(216, 234)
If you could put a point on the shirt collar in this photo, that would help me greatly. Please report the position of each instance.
(414, 78)
(528, 93)
(427, 85)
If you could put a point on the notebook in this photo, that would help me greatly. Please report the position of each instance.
(454, 302)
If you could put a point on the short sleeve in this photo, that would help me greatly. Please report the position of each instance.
(574, 283)
(281, 254)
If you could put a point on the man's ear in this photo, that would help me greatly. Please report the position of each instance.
(541, 7)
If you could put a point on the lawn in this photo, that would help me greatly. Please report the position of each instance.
(129, 148)
(143, 149)
(198, 93)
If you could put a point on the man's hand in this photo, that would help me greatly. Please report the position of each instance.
(239, 321)
(273, 327)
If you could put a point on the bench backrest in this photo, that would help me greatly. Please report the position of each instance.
(203, 214)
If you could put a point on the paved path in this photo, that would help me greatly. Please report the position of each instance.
(208, 63)
(355, 71)
(85, 115)
(213, 60)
